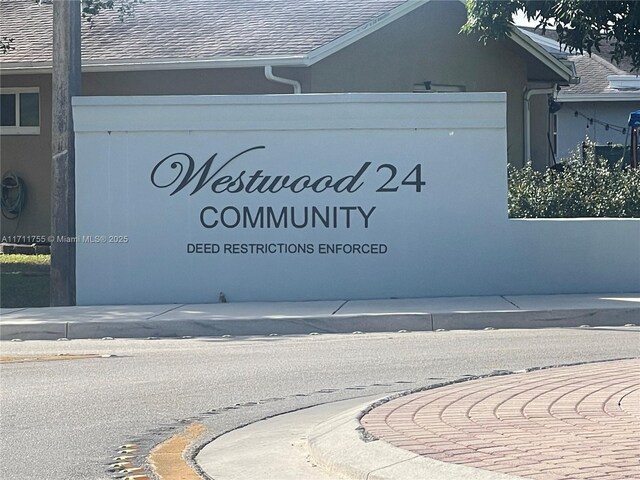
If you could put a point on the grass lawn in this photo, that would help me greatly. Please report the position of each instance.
(24, 281)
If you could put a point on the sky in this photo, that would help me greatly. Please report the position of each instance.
(521, 20)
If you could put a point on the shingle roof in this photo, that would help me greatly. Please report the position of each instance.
(194, 29)
(606, 49)
(593, 72)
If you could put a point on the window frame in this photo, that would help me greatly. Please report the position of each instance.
(18, 129)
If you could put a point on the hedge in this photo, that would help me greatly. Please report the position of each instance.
(591, 188)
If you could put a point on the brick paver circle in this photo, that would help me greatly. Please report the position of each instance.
(578, 422)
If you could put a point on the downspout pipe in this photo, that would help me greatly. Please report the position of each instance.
(268, 73)
(528, 93)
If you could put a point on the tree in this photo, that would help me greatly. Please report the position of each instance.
(581, 25)
(6, 44)
(90, 9)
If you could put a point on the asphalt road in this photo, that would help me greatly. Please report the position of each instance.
(64, 420)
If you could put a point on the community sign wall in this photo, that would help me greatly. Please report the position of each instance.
(327, 196)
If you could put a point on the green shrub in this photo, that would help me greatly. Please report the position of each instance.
(589, 189)
(24, 281)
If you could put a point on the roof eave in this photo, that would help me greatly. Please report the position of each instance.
(132, 65)
(599, 97)
(541, 54)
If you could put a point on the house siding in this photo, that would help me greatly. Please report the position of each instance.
(574, 130)
(29, 156)
(228, 81)
(540, 125)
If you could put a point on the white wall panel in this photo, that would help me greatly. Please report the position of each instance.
(452, 237)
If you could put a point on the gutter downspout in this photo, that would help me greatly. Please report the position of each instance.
(268, 73)
(528, 93)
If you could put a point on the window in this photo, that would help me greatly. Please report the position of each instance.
(19, 111)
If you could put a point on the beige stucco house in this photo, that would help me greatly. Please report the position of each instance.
(264, 47)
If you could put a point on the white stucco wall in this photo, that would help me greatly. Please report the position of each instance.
(417, 182)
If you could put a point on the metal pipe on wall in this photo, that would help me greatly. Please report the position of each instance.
(268, 73)
(528, 93)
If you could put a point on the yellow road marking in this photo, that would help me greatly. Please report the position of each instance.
(43, 358)
(167, 458)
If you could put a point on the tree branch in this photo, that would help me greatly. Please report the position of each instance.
(581, 25)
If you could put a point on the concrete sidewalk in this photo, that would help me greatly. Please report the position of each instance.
(321, 443)
(574, 422)
(342, 316)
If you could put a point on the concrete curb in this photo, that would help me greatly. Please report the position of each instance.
(51, 330)
(536, 318)
(470, 313)
(257, 326)
(336, 446)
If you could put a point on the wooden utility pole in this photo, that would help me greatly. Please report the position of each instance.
(66, 83)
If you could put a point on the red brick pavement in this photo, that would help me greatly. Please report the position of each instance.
(579, 422)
